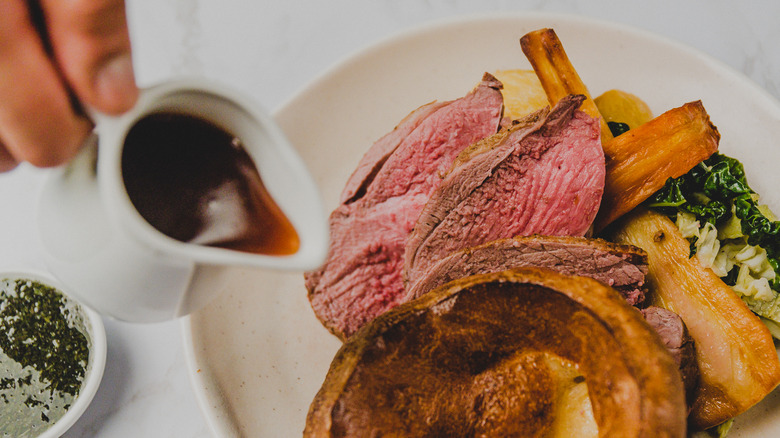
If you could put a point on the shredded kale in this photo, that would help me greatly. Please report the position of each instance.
(692, 246)
(707, 191)
(671, 196)
(758, 228)
(731, 278)
(721, 177)
(775, 284)
(617, 128)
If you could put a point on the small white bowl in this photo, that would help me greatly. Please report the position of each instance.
(97, 352)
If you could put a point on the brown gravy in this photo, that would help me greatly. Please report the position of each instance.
(194, 182)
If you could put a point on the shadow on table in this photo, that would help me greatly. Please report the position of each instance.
(112, 387)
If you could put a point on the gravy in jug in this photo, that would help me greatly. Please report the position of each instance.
(195, 182)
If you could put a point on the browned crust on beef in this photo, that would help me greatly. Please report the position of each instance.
(624, 266)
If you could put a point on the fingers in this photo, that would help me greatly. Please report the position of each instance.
(7, 161)
(89, 57)
(92, 46)
(37, 121)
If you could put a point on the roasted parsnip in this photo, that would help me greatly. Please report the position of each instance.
(557, 74)
(735, 352)
(641, 160)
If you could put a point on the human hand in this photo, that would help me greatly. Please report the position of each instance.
(56, 55)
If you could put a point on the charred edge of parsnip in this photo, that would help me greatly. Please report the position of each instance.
(641, 160)
(557, 74)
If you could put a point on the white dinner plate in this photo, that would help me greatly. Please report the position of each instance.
(257, 355)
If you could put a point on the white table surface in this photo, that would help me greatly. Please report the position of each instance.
(272, 49)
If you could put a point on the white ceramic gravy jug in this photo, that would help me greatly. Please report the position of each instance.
(98, 244)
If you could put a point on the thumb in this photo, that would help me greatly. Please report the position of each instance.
(91, 44)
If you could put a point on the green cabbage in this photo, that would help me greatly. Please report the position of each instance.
(714, 199)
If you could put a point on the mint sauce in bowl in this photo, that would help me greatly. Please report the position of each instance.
(52, 356)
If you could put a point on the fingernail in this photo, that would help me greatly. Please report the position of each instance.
(115, 84)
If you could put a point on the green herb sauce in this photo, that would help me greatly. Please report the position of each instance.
(44, 352)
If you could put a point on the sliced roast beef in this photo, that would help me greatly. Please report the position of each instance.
(621, 266)
(671, 328)
(544, 175)
(362, 275)
(376, 156)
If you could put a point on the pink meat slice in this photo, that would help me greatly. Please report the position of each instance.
(543, 176)
(362, 275)
(376, 156)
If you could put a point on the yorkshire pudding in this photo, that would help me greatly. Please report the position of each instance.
(486, 355)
